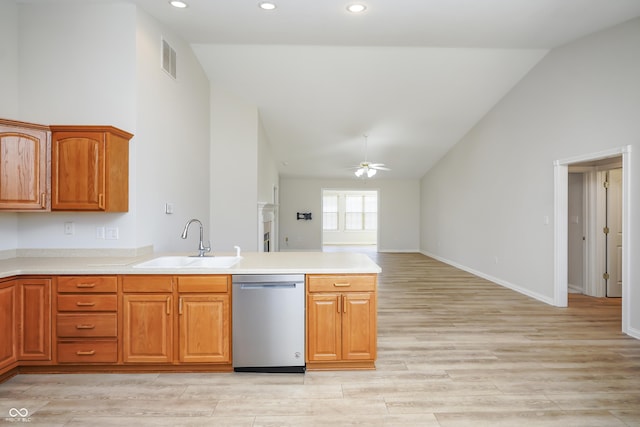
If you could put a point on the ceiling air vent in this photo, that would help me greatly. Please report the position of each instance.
(168, 59)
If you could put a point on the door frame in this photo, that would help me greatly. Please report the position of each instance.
(561, 179)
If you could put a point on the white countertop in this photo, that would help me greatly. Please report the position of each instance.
(251, 263)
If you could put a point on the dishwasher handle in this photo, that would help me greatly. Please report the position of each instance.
(273, 285)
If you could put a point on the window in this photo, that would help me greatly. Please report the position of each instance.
(371, 212)
(361, 212)
(330, 212)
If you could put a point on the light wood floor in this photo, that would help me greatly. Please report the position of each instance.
(454, 350)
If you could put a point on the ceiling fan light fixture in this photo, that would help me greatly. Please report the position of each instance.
(371, 172)
(359, 172)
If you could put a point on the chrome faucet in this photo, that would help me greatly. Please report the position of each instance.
(201, 247)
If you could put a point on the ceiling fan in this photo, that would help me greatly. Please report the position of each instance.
(367, 169)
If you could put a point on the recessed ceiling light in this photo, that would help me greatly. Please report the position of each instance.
(178, 4)
(356, 8)
(267, 5)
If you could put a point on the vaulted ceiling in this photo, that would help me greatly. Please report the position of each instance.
(413, 75)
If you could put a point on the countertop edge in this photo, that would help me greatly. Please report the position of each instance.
(252, 263)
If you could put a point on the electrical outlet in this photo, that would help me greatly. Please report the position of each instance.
(168, 208)
(111, 233)
(100, 234)
(69, 228)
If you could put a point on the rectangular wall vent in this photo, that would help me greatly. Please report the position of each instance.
(168, 59)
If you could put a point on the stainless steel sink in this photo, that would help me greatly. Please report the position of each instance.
(190, 262)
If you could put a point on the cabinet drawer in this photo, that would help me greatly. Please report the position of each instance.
(204, 283)
(341, 282)
(87, 302)
(87, 325)
(105, 284)
(159, 283)
(88, 351)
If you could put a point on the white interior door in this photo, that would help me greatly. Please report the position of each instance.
(614, 237)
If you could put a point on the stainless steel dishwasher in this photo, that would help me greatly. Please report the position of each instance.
(268, 323)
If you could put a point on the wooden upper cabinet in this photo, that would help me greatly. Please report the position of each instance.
(89, 168)
(24, 164)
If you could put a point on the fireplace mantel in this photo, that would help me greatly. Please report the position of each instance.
(267, 227)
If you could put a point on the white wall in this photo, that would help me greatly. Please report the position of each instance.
(100, 64)
(234, 172)
(172, 142)
(398, 215)
(489, 197)
(8, 59)
(77, 67)
(268, 175)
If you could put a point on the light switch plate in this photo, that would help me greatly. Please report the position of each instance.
(111, 233)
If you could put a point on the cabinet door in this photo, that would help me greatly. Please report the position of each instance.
(34, 321)
(359, 326)
(77, 175)
(324, 328)
(204, 328)
(24, 155)
(147, 328)
(8, 336)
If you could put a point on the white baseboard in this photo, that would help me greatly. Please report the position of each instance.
(504, 283)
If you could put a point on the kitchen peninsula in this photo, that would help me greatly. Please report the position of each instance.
(105, 314)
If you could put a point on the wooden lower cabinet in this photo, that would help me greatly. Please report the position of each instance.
(8, 329)
(164, 322)
(341, 321)
(204, 318)
(180, 320)
(204, 328)
(87, 320)
(147, 335)
(34, 319)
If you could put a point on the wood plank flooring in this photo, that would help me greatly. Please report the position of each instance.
(454, 350)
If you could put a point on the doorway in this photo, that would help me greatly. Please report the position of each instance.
(349, 220)
(595, 228)
(561, 220)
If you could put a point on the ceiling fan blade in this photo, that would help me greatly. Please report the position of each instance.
(379, 166)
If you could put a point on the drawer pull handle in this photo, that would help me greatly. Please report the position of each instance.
(342, 285)
(86, 285)
(85, 304)
(85, 326)
(86, 353)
